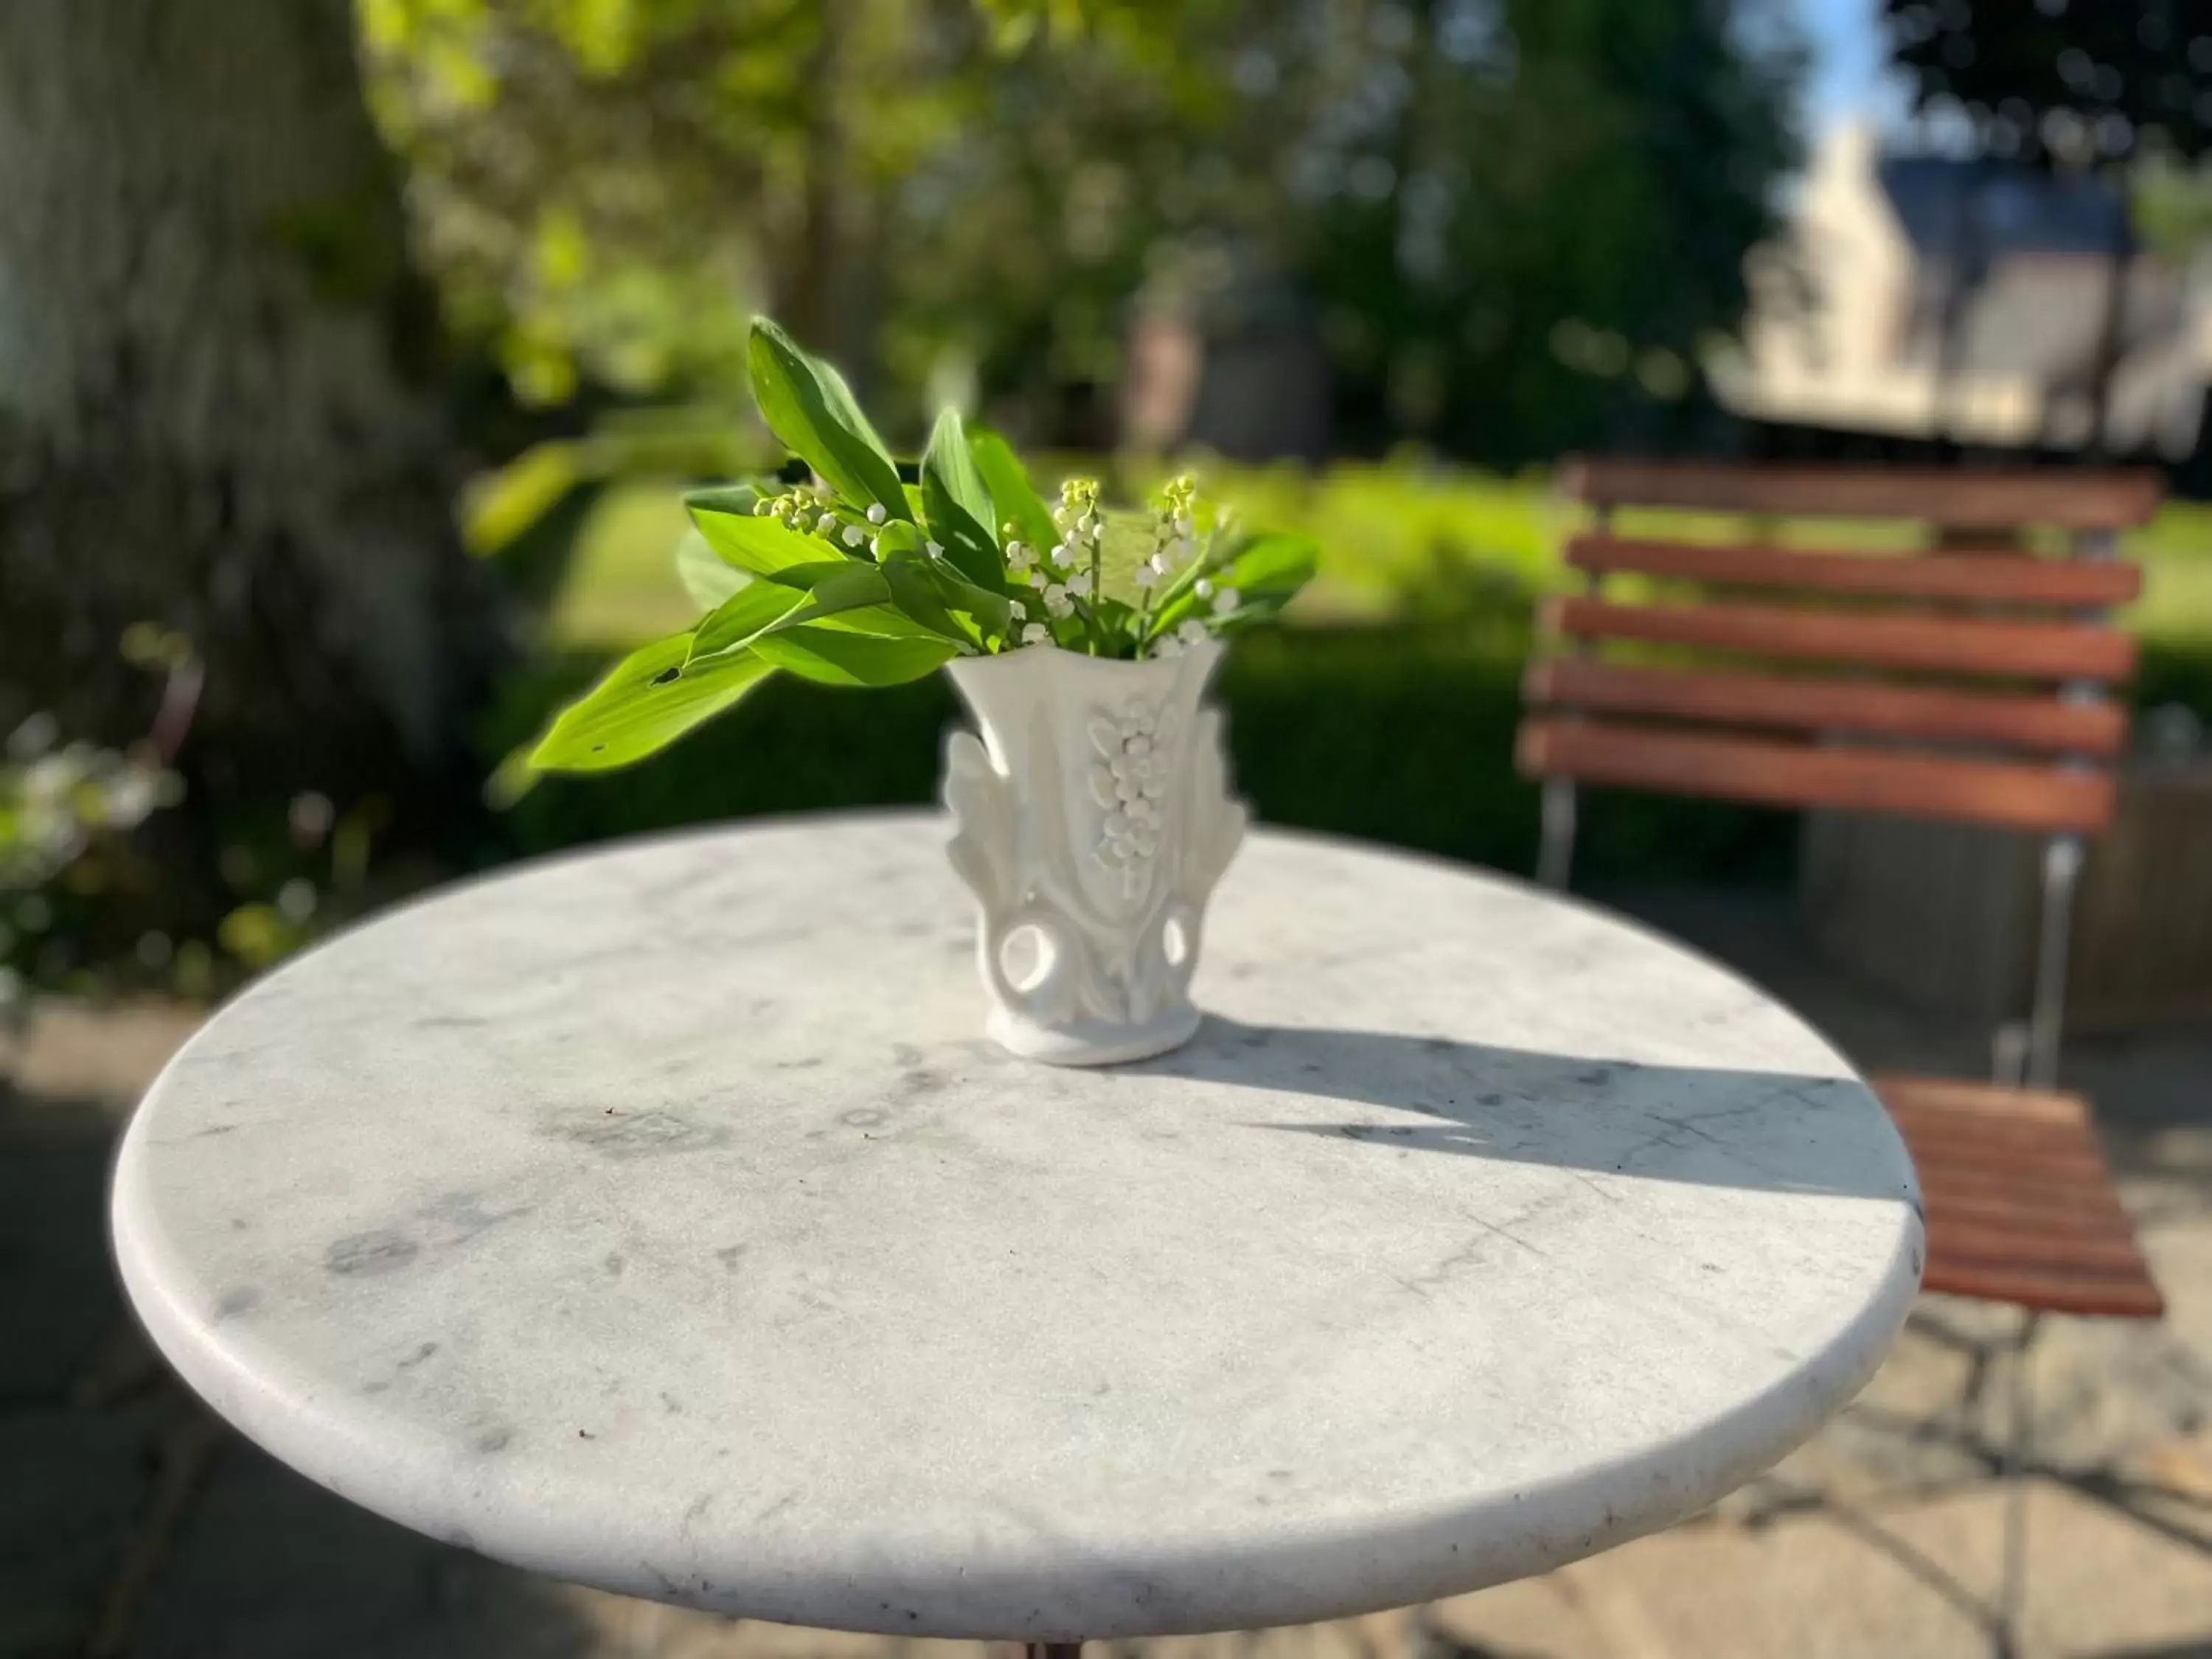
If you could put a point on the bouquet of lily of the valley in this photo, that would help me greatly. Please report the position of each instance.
(859, 575)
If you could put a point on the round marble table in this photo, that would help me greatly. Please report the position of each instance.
(658, 1218)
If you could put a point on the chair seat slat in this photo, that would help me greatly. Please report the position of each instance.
(2105, 1294)
(1908, 1091)
(1955, 1238)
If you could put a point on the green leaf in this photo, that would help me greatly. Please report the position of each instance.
(499, 510)
(949, 463)
(958, 505)
(850, 589)
(649, 700)
(737, 500)
(908, 611)
(915, 593)
(833, 656)
(1273, 565)
(762, 546)
(851, 586)
(987, 609)
(1012, 499)
(883, 622)
(1116, 621)
(743, 614)
(707, 577)
(1266, 570)
(807, 405)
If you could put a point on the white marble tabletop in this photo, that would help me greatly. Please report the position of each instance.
(658, 1218)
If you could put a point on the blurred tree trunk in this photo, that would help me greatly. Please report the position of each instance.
(218, 410)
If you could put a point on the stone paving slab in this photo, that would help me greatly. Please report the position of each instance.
(72, 1485)
(56, 1286)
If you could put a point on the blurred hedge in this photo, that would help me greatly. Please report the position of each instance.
(1396, 735)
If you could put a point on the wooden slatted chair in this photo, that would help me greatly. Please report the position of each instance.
(1969, 683)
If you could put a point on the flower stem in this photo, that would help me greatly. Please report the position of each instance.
(1097, 585)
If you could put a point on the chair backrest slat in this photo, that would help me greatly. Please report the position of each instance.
(1828, 677)
(2116, 500)
(1806, 703)
(1964, 645)
(1759, 770)
(1988, 578)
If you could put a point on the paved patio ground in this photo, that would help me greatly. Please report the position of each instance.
(131, 1524)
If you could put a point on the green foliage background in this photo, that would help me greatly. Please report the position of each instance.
(1514, 224)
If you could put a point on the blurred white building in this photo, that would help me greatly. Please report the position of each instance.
(1927, 297)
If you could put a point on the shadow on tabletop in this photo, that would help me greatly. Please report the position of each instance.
(1602, 1116)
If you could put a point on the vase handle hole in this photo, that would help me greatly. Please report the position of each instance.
(1174, 942)
(1026, 957)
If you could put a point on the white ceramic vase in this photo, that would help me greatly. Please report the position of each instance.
(1094, 820)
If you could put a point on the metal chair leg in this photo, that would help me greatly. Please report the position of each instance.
(2062, 871)
(1555, 856)
(2012, 1593)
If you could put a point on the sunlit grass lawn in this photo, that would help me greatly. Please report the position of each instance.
(1397, 542)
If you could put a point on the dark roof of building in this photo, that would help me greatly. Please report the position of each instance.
(1992, 210)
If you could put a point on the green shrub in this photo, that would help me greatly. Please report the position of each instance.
(1392, 734)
